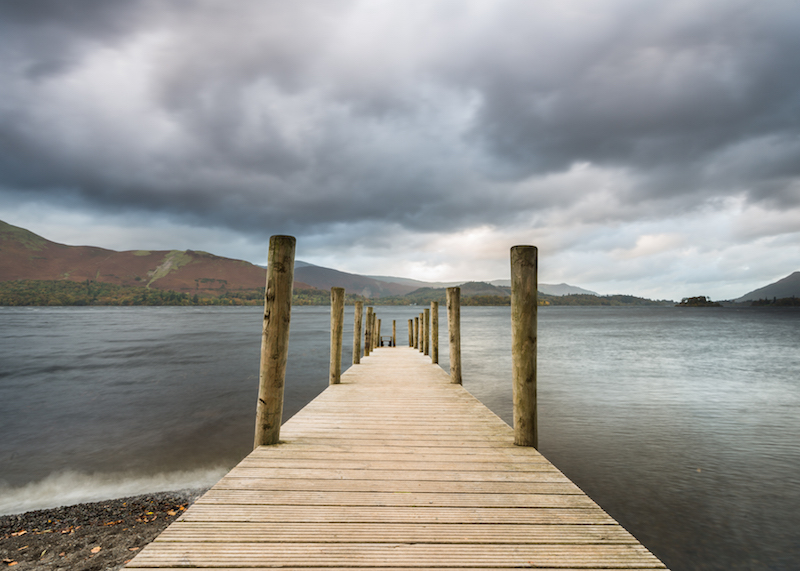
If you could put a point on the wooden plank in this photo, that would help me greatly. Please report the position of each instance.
(421, 475)
(399, 456)
(383, 515)
(395, 468)
(408, 465)
(373, 568)
(259, 532)
(327, 498)
(269, 483)
(408, 555)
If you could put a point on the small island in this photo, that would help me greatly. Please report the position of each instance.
(699, 301)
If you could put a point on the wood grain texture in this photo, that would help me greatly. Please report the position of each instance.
(395, 468)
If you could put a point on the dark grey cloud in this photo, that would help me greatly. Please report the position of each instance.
(311, 116)
(46, 37)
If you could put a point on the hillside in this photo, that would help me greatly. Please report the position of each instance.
(326, 278)
(551, 289)
(547, 289)
(27, 256)
(784, 288)
(42, 268)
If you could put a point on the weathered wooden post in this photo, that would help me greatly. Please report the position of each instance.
(378, 338)
(394, 333)
(274, 339)
(435, 332)
(359, 316)
(421, 333)
(375, 332)
(416, 333)
(410, 332)
(524, 307)
(367, 332)
(454, 332)
(337, 328)
(427, 331)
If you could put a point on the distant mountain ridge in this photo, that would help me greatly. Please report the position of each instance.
(785, 287)
(326, 278)
(27, 256)
(549, 289)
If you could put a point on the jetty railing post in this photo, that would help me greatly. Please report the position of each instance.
(410, 332)
(524, 307)
(359, 316)
(427, 331)
(416, 333)
(274, 339)
(435, 332)
(394, 333)
(421, 332)
(454, 332)
(367, 331)
(378, 339)
(337, 328)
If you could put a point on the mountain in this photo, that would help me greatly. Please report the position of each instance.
(786, 287)
(326, 278)
(549, 289)
(27, 256)
(415, 283)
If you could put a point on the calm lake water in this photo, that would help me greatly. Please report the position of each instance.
(683, 424)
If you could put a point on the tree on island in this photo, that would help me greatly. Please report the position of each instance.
(699, 301)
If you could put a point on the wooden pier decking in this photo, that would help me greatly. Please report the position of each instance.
(395, 468)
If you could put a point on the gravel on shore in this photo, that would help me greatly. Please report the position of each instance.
(99, 536)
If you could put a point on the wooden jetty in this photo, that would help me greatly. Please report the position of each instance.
(395, 467)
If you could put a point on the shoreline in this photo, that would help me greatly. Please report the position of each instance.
(95, 536)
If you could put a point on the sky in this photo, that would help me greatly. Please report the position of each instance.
(645, 147)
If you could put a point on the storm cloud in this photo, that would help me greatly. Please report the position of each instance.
(646, 147)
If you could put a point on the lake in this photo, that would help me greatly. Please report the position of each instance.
(683, 424)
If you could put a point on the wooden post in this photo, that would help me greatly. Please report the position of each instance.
(359, 317)
(274, 339)
(454, 332)
(337, 327)
(410, 332)
(421, 333)
(394, 333)
(378, 341)
(435, 332)
(375, 332)
(416, 333)
(524, 306)
(426, 331)
(367, 332)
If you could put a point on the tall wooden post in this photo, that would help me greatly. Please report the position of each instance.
(274, 339)
(421, 333)
(410, 332)
(427, 331)
(394, 333)
(375, 332)
(524, 307)
(337, 328)
(435, 332)
(359, 317)
(378, 342)
(454, 332)
(416, 333)
(367, 332)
